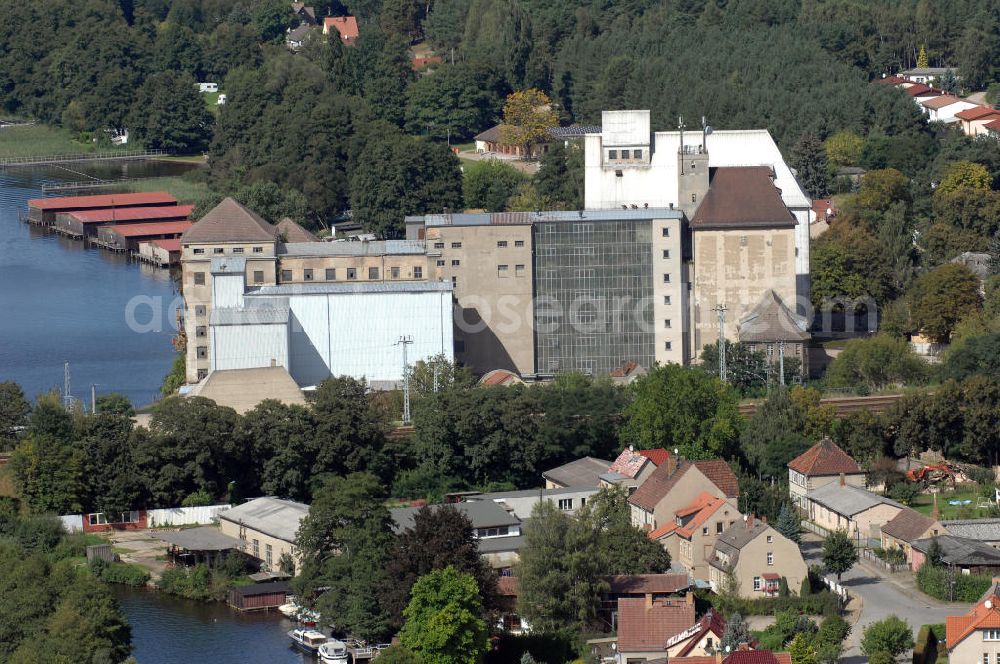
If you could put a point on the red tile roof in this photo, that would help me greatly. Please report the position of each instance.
(658, 456)
(643, 628)
(919, 90)
(168, 244)
(104, 215)
(940, 102)
(890, 80)
(347, 26)
(758, 657)
(102, 201)
(706, 511)
(908, 525)
(711, 623)
(976, 112)
(661, 481)
(825, 458)
(148, 229)
(742, 197)
(640, 584)
(663, 531)
(979, 617)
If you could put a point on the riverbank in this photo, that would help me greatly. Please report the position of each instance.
(35, 140)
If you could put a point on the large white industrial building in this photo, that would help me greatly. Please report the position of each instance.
(326, 329)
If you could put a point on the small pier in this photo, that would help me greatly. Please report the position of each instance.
(111, 155)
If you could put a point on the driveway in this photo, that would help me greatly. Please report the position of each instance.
(882, 595)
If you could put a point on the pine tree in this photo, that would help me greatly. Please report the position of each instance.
(808, 158)
(922, 58)
(801, 650)
(737, 632)
(788, 524)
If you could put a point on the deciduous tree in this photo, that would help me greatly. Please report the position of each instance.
(943, 297)
(170, 114)
(891, 635)
(443, 619)
(489, 184)
(527, 118)
(839, 554)
(875, 363)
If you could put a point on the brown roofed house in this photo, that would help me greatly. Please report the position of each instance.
(906, 528)
(742, 197)
(673, 486)
(633, 466)
(775, 330)
(290, 231)
(230, 222)
(821, 464)
(691, 537)
(345, 26)
(754, 556)
(646, 625)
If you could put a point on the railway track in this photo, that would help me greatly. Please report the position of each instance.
(844, 405)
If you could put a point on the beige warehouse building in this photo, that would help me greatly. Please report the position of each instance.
(266, 528)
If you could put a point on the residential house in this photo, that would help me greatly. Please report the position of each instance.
(345, 26)
(859, 513)
(296, 37)
(639, 586)
(582, 473)
(673, 486)
(633, 466)
(508, 588)
(756, 556)
(305, 15)
(646, 625)
(498, 531)
(961, 553)
(521, 503)
(974, 120)
(944, 108)
(993, 128)
(981, 530)
(926, 75)
(906, 528)
(266, 528)
(691, 538)
(921, 93)
(701, 639)
(821, 464)
(975, 637)
(492, 141)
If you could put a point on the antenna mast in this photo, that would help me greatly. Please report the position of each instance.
(405, 341)
(67, 397)
(721, 310)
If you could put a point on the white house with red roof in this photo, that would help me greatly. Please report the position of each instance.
(974, 120)
(633, 466)
(975, 637)
(945, 107)
(821, 464)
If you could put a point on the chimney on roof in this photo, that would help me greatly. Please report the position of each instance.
(631, 448)
(843, 480)
(718, 657)
(763, 520)
(689, 598)
(750, 520)
(649, 601)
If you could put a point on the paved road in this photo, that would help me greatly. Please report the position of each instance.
(883, 595)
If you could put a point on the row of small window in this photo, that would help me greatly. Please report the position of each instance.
(504, 271)
(235, 250)
(624, 154)
(454, 263)
(99, 518)
(330, 274)
(992, 635)
(499, 531)
(986, 655)
(501, 244)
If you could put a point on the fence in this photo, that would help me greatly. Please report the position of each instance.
(816, 529)
(869, 556)
(185, 516)
(73, 523)
(82, 156)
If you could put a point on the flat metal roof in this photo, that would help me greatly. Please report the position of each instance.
(353, 248)
(542, 216)
(349, 288)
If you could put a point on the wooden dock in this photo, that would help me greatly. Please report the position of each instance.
(84, 185)
(111, 155)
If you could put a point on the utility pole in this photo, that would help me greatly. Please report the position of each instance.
(405, 341)
(67, 397)
(93, 398)
(781, 362)
(721, 310)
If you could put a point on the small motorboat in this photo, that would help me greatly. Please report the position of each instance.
(290, 609)
(308, 640)
(333, 652)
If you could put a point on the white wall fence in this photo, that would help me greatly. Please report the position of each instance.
(161, 518)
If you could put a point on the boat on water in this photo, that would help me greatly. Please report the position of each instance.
(290, 609)
(333, 652)
(308, 640)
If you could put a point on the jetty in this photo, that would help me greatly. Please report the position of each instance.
(109, 155)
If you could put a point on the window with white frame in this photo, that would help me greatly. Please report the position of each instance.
(756, 583)
(991, 635)
(770, 539)
(565, 503)
(770, 558)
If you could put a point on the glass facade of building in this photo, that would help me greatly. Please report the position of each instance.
(593, 295)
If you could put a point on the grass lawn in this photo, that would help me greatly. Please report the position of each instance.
(183, 189)
(924, 503)
(39, 140)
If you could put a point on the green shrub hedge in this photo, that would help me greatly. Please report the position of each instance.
(819, 603)
(925, 649)
(123, 573)
(937, 581)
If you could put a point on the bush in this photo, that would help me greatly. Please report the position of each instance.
(549, 648)
(937, 582)
(904, 492)
(819, 603)
(925, 649)
(199, 583)
(121, 573)
(892, 555)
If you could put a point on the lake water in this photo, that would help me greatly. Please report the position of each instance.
(169, 630)
(61, 302)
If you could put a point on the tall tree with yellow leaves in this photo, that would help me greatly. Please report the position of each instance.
(527, 118)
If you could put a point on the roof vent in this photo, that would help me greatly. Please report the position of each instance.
(988, 604)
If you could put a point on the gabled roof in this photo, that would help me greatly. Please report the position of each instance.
(993, 126)
(293, 232)
(277, 517)
(742, 197)
(630, 461)
(889, 80)
(976, 113)
(102, 201)
(983, 530)
(662, 480)
(984, 615)
(642, 584)
(585, 472)
(711, 623)
(941, 101)
(104, 215)
(703, 513)
(848, 500)
(758, 657)
(646, 627)
(921, 90)
(909, 525)
(770, 320)
(148, 228)
(825, 458)
(484, 514)
(230, 222)
(735, 537)
(243, 389)
(961, 551)
(347, 26)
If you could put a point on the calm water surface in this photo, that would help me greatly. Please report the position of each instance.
(62, 302)
(169, 630)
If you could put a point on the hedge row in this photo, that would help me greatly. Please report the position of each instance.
(937, 582)
(821, 603)
(123, 573)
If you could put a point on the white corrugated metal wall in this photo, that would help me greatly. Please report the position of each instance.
(249, 346)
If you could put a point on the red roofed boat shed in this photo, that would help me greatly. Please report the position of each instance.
(126, 237)
(162, 253)
(43, 210)
(85, 222)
